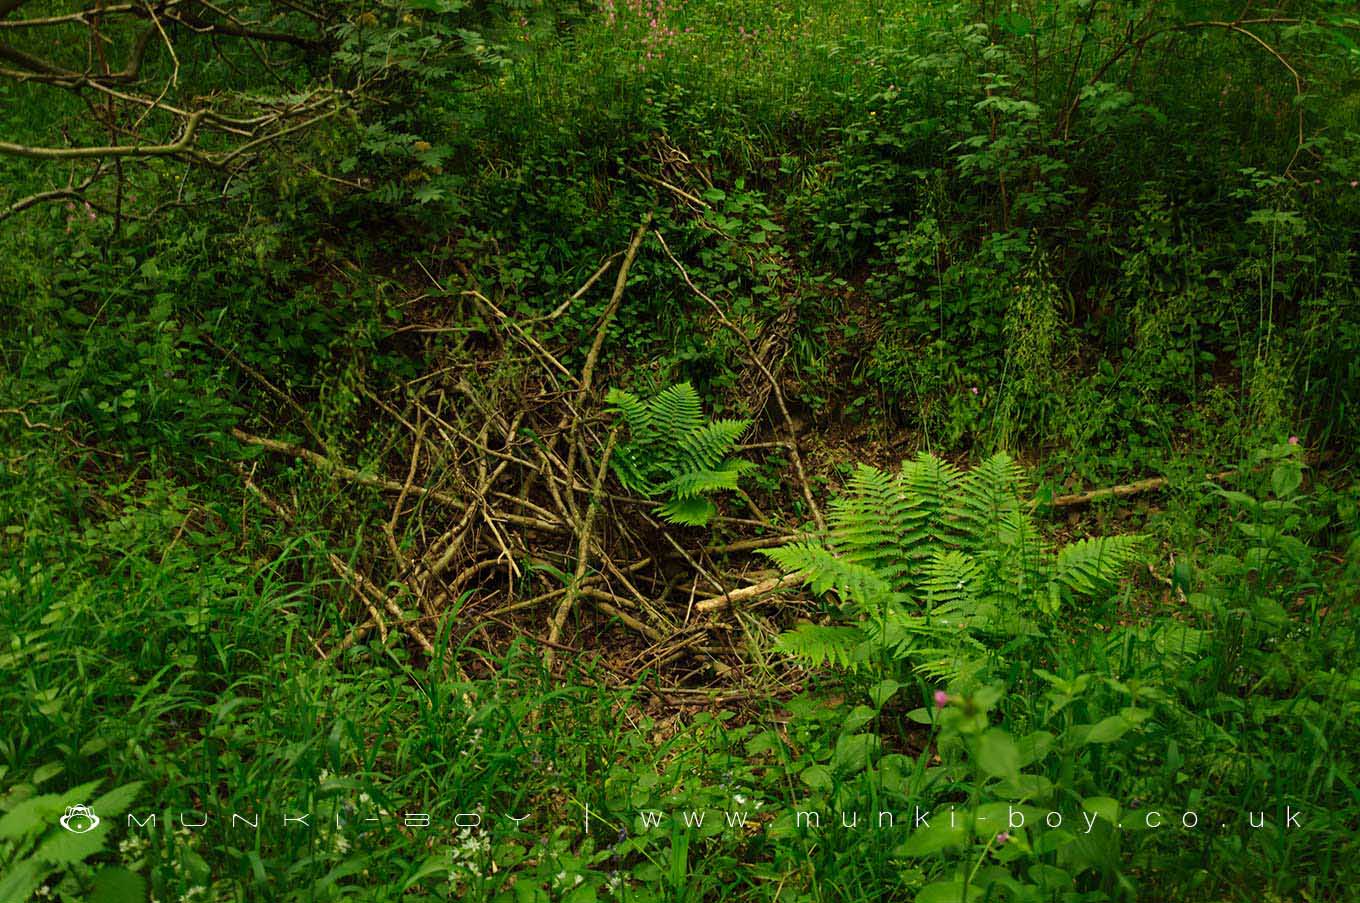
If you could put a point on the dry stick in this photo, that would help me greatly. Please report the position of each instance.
(70, 191)
(453, 537)
(750, 592)
(340, 470)
(133, 150)
(674, 189)
(774, 385)
(286, 516)
(642, 603)
(1151, 485)
(274, 390)
(356, 584)
(533, 343)
(588, 372)
(363, 587)
(390, 528)
(593, 356)
(749, 545)
(576, 295)
(582, 550)
(603, 601)
(354, 476)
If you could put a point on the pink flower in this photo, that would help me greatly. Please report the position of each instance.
(941, 699)
(974, 390)
(1355, 183)
(1293, 440)
(1002, 838)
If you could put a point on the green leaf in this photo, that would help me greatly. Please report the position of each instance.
(1285, 479)
(1107, 730)
(1103, 807)
(884, 690)
(38, 813)
(817, 777)
(117, 885)
(938, 836)
(64, 848)
(948, 892)
(19, 883)
(116, 801)
(853, 753)
(997, 754)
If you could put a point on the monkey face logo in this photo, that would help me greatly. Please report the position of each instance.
(79, 820)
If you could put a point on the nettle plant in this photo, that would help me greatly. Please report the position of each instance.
(930, 563)
(675, 452)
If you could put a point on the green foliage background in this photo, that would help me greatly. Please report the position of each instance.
(1113, 239)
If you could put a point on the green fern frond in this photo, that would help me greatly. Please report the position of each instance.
(931, 484)
(630, 466)
(672, 450)
(694, 511)
(951, 581)
(696, 482)
(930, 562)
(676, 411)
(904, 633)
(1090, 565)
(867, 522)
(943, 666)
(704, 448)
(635, 412)
(852, 581)
(840, 645)
(989, 491)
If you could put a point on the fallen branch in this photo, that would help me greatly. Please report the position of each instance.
(130, 150)
(341, 470)
(582, 552)
(755, 590)
(1127, 489)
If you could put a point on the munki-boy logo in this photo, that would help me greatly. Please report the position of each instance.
(79, 820)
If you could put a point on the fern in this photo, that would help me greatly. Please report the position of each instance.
(845, 647)
(673, 451)
(930, 562)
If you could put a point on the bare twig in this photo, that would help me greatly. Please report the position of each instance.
(131, 150)
(753, 591)
(794, 454)
(582, 553)
(1125, 490)
(341, 470)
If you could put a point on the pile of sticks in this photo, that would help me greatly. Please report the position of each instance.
(507, 521)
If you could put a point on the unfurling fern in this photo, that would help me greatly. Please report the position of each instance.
(931, 562)
(674, 451)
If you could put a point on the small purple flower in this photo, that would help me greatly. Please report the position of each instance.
(1293, 440)
(941, 699)
(1002, 838)
(973, 389)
